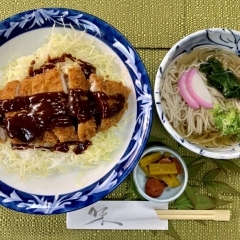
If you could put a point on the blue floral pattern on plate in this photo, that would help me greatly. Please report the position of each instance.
(41, 18)
(218, 38)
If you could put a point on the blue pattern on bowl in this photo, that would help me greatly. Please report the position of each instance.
(216, 37)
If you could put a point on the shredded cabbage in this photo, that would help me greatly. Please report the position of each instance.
(44, 162)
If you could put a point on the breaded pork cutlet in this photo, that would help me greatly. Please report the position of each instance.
(10, 91)
(39, 84)
(65, 134)
(109, 88)
(87, 130)
(25, 88)
(77, 80)
(54, 82)
(50, 81)
(49, 139)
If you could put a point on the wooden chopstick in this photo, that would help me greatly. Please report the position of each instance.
(215, 215)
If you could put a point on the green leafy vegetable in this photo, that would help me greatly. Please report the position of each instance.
(204, 202)
(223, 80)
(155, 141)
(194, 169)
(171, 231)
(222, 202)
(230, 165)
(223, 187)
(211, 174)
(211, 66)
(227, 121)
(212, 190)
(132, 190)
(183, 202)
(191, 194)
(190, 160)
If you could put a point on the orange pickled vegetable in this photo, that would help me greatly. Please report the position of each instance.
(154, 187)
(178, 166)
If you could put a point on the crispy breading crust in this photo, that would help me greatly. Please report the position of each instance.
(65, 134)
(51, 81)
(77, 79)
(38, 84)
(25, 87)
(110, 88)
(11, 90)
(87, 130)
(49, 139)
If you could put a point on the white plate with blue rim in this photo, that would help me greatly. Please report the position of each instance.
(22, 34)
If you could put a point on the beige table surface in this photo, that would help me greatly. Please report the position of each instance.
(152, 26)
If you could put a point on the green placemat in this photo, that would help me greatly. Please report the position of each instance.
(152, 27)
(146, 24)
(212, 14)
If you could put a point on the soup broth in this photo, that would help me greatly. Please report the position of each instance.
(197, 125)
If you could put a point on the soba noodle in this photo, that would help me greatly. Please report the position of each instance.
(197, 125)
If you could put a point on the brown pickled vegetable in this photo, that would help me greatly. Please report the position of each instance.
(145, 161)
(162, 171)
(162, 168)
(171, 180)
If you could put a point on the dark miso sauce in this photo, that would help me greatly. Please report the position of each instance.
(86, 67)
(79, 147)
(33, 115)
(96, 106)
